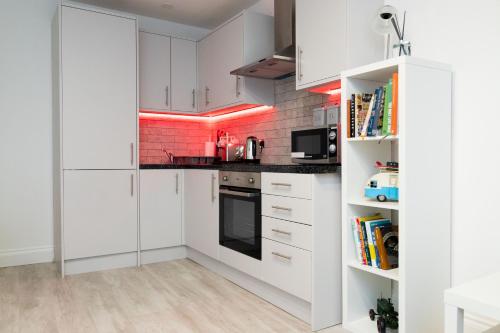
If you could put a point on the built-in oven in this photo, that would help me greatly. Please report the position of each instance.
(240, 221)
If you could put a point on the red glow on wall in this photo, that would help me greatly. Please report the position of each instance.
(331, 88)
(227, 113)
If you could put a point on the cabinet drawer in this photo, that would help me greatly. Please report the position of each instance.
(291, 233)
(287, 267)
(291, 209)
(287, 184)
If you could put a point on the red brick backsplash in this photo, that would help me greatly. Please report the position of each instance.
(187, 138)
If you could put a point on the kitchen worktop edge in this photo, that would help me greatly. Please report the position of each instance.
(278, 168)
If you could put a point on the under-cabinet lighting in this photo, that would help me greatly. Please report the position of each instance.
(207, 117)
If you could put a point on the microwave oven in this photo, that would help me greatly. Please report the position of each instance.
(316, 145)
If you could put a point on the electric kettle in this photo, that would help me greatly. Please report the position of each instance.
(252, 148)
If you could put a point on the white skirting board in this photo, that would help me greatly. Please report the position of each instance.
(26, 256)
(85, 265)
(161, 255)
(289, 303)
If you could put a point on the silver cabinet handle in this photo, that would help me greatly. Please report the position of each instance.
(132, 185)
(166, 96)
(281, 255)
(131, 153)
(194, 101)
(176, 183)
(213, 188)
(240, 194)
(281, 208)
(299, 63)
(282, 232)
(238, 93)
(206, 95)
(281, 184)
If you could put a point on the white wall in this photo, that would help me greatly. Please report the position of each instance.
(466, 35)
(26, 226)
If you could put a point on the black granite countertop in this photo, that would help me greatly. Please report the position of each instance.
(292, 168)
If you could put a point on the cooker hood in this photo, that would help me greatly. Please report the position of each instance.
(282, 63)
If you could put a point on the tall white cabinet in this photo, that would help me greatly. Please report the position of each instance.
(334, 35)
(95, 136)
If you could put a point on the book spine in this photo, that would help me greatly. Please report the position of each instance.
(365, 241)
(357, 242)
(371, 246)
(358, 110)
(375, 112)
(381, 114)
(352, 110)
(387, 107)
(361, 242)
(368, 116)
(395, 96)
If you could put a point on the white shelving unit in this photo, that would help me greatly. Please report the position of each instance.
(422, 148)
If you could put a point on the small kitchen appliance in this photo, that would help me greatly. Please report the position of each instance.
(252, 150)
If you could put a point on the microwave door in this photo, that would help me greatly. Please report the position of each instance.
(309, 144)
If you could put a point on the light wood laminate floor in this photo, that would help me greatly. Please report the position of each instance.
(177, 296)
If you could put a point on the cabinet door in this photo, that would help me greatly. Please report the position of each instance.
(227, 45)
(183, 75)
(205, 73)
(100, 212)
(99, 93)
(320, 40)
(154, 72)
(161, 207)
(201, 211)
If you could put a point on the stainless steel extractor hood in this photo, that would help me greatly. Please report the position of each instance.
(282, 63)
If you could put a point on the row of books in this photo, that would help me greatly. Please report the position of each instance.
(376, 241)
(374, 114)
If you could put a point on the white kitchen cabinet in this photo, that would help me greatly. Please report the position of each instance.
(246, 38)
(100, 212)
(99, 99)
(160, 208)
(334, 35)
(183, 75)
(201, 211)
(154, 72)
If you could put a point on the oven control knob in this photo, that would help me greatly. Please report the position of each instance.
(251, 180)
(332, 148)
(225, 178)
(332, 135)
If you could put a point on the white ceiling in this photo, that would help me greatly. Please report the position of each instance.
(201, 13)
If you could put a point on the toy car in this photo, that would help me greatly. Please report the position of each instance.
(383, 186)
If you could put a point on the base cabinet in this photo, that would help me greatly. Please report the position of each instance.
(160, 208)
(201, 211)
(100, 212)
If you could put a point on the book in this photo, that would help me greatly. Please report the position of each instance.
(370, 230)
(368, 116)
(375, 113)
(348, 106)
(395, 94)
(357, 242)
(387, 240)
(363, 236)
(381, 112)
(387, 109)
(352, 119)
(358, 111)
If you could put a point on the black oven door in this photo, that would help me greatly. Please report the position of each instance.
(240, 221)
(312, 143)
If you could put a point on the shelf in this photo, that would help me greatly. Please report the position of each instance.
(364, 325)
(374, 138)
(376, 204)
(392, 274)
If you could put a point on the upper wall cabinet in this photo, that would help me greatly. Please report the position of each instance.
(167, 71)
(99, 90)
(244, 39)
(334, 35)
